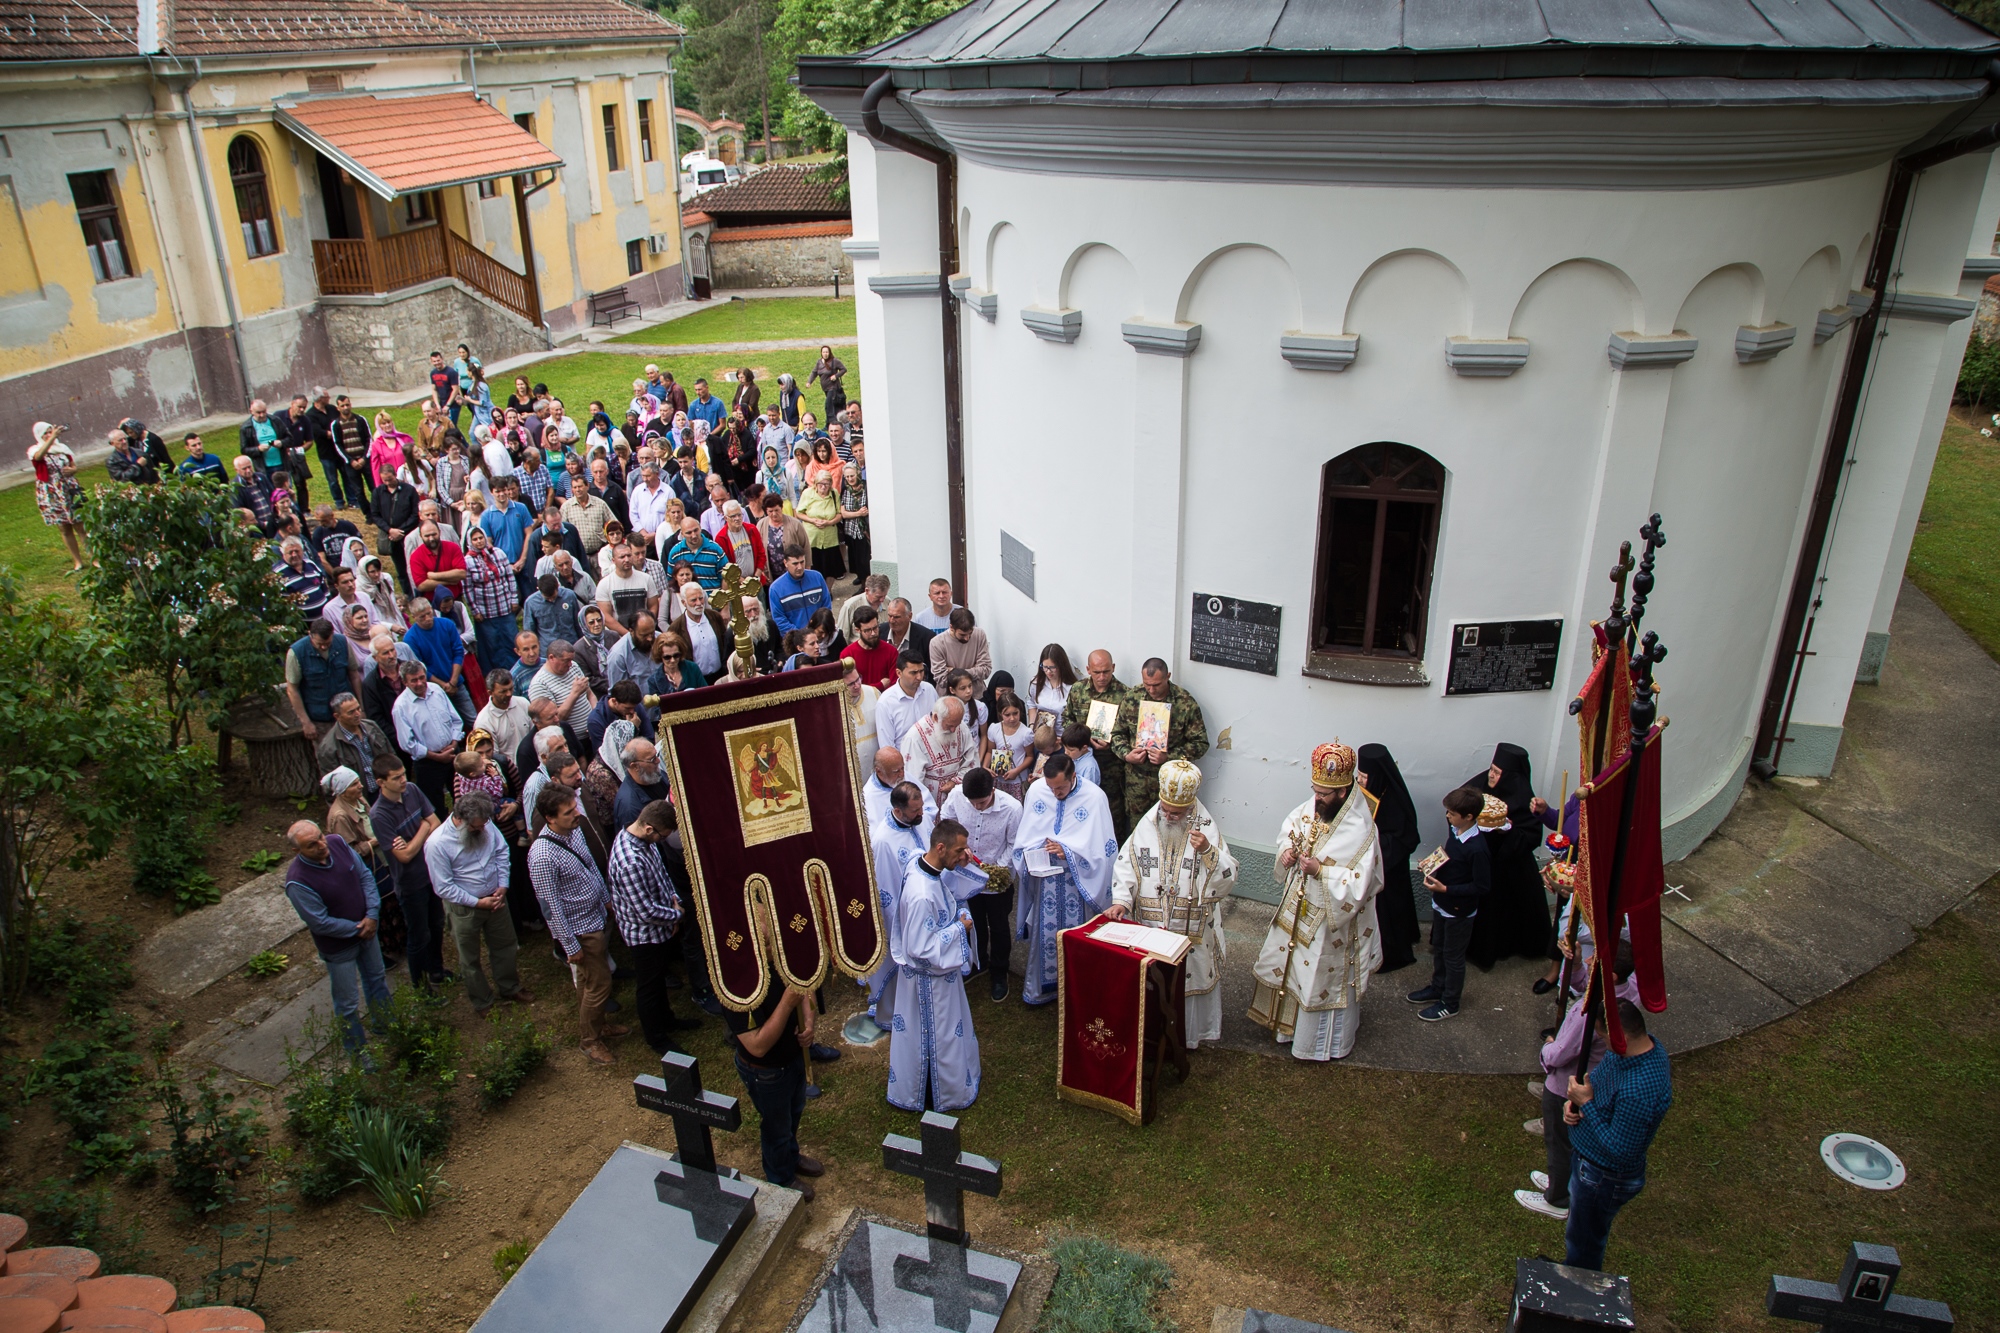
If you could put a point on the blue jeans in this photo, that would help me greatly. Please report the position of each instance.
(780, 1098)
(494, 639)
(354, 970)
(1595, 1196)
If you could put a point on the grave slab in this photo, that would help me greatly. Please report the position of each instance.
(886, 1278)
(185, 956)
(624, 1260)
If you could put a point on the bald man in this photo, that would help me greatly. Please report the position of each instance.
(332, 890)
(875, 791)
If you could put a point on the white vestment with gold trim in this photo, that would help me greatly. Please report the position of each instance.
(1163, 881)
(1323, 945)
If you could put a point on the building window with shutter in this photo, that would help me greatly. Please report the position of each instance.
(610, 137)
(635, 257)
(645, 129)
(1378, 527)
(96, 196)
(253, 198)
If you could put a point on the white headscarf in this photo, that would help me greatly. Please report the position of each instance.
(616, 733)
(338, 781)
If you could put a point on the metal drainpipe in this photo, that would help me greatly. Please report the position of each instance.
(210, 207)
(954, 394)
(1788, 665)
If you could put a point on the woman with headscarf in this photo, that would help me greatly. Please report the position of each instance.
(347, 815)
(1396, 826)
(788, 401)
(380, 590)
(388, 451)
(1513, 922)
(357, 622)
(775, 477)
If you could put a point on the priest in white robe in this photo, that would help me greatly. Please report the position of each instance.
(1062, 864)
(875, 792)
(903, 836)
(933, 1052)
(862, 700)
(1323, 945)
(1174, 873)
(942, 747)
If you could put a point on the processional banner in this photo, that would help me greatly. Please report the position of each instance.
(768, 793)
(1608, 839)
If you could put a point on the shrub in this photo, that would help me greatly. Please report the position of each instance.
(517, 1050)
(390, 1161)
(1103, 1289)
(415, 1063)
(416, 1039)
(64, 1215)
(507, 1260)
(1979, 372)
(214, 1142)
(89, 961)
(92, 1081)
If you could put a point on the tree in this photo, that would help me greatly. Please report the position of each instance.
(86, 755)
(728, 60)
(189, 594)
(831, 27)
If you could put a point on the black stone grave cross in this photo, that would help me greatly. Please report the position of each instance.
(717, 1200)
(955, 1293)
(695, 1111)
(1863, 1301)
(945, 1171)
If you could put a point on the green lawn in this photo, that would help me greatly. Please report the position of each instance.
(761, 319)
(1956, 555)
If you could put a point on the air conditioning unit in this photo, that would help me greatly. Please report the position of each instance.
(659, 243)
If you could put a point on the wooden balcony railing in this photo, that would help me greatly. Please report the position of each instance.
(364, 268)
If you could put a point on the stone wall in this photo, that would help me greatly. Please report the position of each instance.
(780, 261)
(385, 342)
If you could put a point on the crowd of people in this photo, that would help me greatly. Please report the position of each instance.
(480, 674)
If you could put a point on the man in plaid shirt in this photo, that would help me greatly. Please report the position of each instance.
(648, 910)
(574, 899)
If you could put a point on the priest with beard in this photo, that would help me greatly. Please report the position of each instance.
(1514, 920)
(1173, 873)
(1396, 827)
(1323, 945)
(933, 1053)
(1062, 860)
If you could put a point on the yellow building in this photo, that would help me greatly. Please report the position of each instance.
(206, 202)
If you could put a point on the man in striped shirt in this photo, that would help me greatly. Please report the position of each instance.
(648, 910)
(703, 556)
(574, 899)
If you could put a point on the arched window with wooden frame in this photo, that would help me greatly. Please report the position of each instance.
(253, 197)
(1378, 527)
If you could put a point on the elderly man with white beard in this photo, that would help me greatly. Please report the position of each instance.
(941, 746)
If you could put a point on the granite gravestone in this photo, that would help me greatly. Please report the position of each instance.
(1555, 1298)
(637, 1249)
(888, 1280)
(1863, 1301)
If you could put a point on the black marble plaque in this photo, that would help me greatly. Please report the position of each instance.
(1503, 656)
(886, 1280)
(632, 1255)
(1555, 1298)
(1228, 631)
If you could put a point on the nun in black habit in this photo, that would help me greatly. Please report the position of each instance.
(1513, 922)
(1396, 826)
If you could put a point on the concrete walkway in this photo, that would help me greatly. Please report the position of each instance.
(1808, 884)
(700, 349)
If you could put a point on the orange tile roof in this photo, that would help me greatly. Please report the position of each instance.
(405, 145)
(780, 231)
(695, 219)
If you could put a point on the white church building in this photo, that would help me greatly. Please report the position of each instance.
(1387, 322)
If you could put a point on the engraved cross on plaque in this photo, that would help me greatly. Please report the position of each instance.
(1863, 1301)
(955, 1293)
(695, 1111)
(945, 1171)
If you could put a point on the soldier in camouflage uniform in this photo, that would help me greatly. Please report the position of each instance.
(1101, 682)
(1187, 737)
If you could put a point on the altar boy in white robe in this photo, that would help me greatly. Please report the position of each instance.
(1062, 862)
(901, 837)
(1173, 873)
(1323, 945)
(933, 1052)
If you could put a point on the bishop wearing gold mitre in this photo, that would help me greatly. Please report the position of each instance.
(1323, 945)
(1173, 873)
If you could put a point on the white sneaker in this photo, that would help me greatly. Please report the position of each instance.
(1535, 1088)
(1533, 1126)
(1533, 1201)
(1541, 1179)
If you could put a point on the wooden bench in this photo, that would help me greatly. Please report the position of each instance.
(608, 307)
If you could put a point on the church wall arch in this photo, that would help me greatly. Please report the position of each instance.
(1736, 455)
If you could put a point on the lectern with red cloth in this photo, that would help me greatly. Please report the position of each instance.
(769, 796)
(1119, 1015)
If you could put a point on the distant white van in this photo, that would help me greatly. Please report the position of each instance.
(702, 173)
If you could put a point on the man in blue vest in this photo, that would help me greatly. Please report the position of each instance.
(317, 667)
(334, 894)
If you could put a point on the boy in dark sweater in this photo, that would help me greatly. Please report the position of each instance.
(1457, 888)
